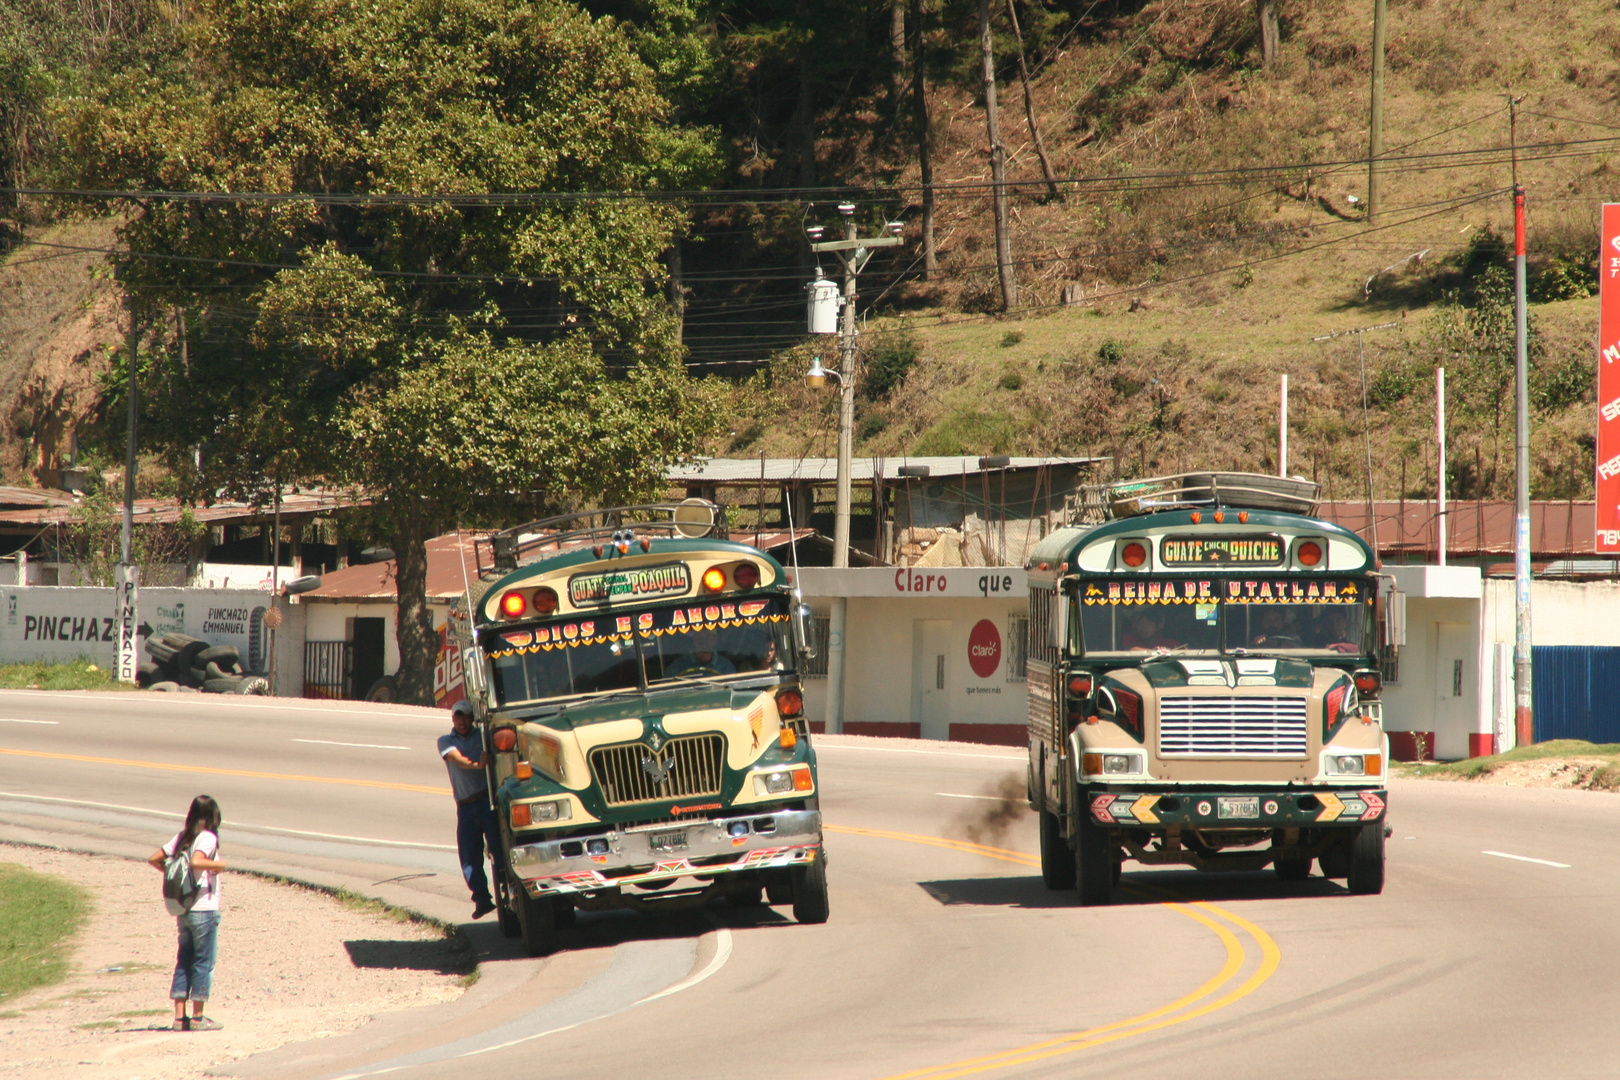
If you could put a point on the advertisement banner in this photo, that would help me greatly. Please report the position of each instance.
(1608, 384)
(61, 624)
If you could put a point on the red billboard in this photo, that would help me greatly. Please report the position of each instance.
(1608, 384)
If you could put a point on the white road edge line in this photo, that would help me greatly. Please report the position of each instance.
(986, 798)
(1526, 858)
(235, 824)
(362, 745)
(902, 750)
(722, 953)
(9, 720)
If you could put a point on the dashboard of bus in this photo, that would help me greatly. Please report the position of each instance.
(649, 647)
(1213, 616)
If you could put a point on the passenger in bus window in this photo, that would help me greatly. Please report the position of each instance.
(702, 659)
(1144, 630)
(1274, 627)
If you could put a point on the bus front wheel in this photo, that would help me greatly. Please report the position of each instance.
(1057, 858)
(538, 918)
(1095, 863)
(1366, 877)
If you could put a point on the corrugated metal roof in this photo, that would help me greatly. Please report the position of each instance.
(1474, 528)
(13, 498)
(167, 511)
(825, 470)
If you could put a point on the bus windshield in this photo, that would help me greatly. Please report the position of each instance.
(1210, 616)
(621, 651)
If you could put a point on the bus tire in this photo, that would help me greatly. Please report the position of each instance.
(537, 919)
(1095, 863)
(1057, 858)
(385, 689)
(810, 890)
(1366, 877)
(1292, 868)
(779, 889)
(511, 926)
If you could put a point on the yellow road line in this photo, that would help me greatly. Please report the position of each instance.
(1176, 1012)
(211, 770)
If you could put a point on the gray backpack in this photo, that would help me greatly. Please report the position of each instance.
(180, 885)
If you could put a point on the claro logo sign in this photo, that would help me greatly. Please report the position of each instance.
(984, 648)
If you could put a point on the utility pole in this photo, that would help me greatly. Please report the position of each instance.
(1523, 713)
(126, 579)
(1375, 134)
(853, 252)
(1366, 422)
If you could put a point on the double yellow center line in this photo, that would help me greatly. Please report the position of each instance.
(1200, 1002)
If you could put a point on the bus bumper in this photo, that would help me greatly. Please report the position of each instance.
(1237, 808)
(610, 860)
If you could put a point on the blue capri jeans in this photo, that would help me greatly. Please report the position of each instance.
(199, 945)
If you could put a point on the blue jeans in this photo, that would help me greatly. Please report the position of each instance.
(199, 945)
(476, 826)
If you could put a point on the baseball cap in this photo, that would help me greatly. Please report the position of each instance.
(462, 706)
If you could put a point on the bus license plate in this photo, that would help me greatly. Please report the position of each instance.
(668, 841)
(1246, 806)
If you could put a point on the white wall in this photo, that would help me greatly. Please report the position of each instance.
(63, 624)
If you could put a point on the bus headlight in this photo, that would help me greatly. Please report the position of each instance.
(782, 781)
(1101, 764)
(555, 810)
(1344, 764)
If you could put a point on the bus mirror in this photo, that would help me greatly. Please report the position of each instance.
(472, 669)
(1058, 624)
(803, 639)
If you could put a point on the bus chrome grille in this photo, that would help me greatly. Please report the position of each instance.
(687, 767)
(1232, 727)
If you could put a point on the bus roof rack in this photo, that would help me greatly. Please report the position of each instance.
(1187, 491)
(504, 551)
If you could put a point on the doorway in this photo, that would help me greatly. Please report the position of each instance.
(365, 655)
(930, 647)
(1455, 680)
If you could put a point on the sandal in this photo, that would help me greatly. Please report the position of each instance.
(202, 1023)
(181, 1023)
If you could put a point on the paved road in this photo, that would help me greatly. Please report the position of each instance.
(944, 956)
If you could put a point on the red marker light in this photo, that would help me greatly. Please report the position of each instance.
(1310, 553)
(1134, 554)
(790, 703)
(746, 575)
(545, 601)
(505, 740)
(1196, 517)
(1220, 516)
(1080, 686)
(1243, 517)
(1368, 682)
(512, 604)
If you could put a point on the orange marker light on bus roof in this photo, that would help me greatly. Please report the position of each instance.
(714, 579)
(1220, 516)
(1197, 517)
(1133, 554)
(1243, 517)
(512, 604)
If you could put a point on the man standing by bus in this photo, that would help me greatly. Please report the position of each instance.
(463, 753)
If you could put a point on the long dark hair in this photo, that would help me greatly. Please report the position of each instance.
(202, 817)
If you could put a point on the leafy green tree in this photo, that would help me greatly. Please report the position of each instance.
(335, 340)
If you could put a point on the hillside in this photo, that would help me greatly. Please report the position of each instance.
(1198, 250)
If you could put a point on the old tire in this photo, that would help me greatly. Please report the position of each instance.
(253, 684)
(225, 685)
(779, 890)
(1292, 868)
(1095, 864)
(1366, 876)
(810, 890)
(1057, 858)
(537, 920)
(165, 687)
(147, 674)
(384, 689)
(225, 656)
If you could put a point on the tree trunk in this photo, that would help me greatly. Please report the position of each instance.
(998, 160)
(418, 644)
(804, 122)
(897, 41)
(1266, 12)
(925, 139)
(1029, 106)
(677, 287)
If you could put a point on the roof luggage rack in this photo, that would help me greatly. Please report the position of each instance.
(504, 551)
(1186, 491)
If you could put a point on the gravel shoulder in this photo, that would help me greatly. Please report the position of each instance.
(294, 964)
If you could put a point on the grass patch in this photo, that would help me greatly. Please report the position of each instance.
(38, 915)
(1557, 748)
(132, 1013)
(99, 1025)
(81, 674)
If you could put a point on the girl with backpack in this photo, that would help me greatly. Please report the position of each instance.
(194, 900)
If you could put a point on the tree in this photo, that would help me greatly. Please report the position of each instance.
(317, 329)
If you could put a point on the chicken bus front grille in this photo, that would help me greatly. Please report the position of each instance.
(1232, 727)
(687, 767)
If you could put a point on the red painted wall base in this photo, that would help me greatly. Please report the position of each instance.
(1481, 744)
(991, 734)
(883, 729)
(1403, 745)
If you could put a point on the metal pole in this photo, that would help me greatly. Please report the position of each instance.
(1440, 430)
(1375, 134)
(1282, 430)
(846, 424)
(126, 534)
(1366, 431)
(126, 579)
(1524, 720)
(275, 580)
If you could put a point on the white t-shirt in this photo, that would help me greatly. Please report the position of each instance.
(205, 845)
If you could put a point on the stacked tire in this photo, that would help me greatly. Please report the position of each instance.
(183, 662)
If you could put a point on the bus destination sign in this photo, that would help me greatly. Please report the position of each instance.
(1262, 549)
(640, 583)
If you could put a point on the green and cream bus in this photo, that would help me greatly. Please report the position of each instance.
(1203, 673)
(636, 675)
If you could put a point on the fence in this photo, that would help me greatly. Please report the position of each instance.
(326, 670)
(1577, 692)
